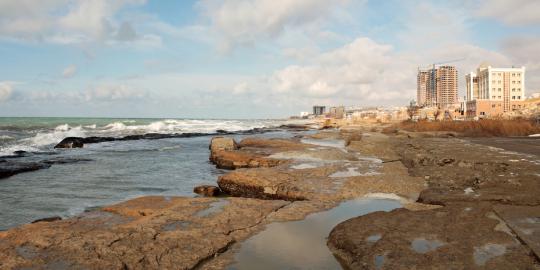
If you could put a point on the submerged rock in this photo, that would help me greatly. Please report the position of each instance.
(207, 190)
(9, 168)
(47, 219)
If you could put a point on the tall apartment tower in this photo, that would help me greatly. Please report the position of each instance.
(421, 87)
(493, 91)
(437, 86)
(447, 86)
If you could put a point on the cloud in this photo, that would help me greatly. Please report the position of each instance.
(517, 12)
(63, 21)
(349, 71)
(6, 91)
(244, 22)
(69, 72)
(525, 51)
(113, 92)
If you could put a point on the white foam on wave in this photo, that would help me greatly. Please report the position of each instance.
(182, 126)
(6, 138)
(59, 133)
(42, 140)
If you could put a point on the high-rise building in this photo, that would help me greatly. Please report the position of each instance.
(319, 110)
(421, 90)
(493, 91)
(447, 86)
(437, 87)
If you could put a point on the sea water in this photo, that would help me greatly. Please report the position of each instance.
(115, 171)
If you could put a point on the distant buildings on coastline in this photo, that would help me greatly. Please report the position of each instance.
(354, 114)
(490, 91)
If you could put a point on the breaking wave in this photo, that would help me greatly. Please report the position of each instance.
(43, 139)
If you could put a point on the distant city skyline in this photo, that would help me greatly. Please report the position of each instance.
(246, 58)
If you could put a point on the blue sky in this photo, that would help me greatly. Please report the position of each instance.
(245, 58)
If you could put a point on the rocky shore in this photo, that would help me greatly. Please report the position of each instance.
(464, 206)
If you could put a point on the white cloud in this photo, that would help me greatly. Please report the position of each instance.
(6, 91)
(349, 71)
(63, 21)
(113, 92)
(70, 71)
(525, 51)
(244, 22)
(516, 12)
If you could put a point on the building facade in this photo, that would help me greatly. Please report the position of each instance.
(437, 87)
(421, 87)
(446, 86)
(494, 91)
(319, 110)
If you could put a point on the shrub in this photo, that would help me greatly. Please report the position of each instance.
(480, 128)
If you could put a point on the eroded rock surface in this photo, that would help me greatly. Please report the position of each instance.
(457, 170)
(249, 153)
(458, 236)
(144, 233)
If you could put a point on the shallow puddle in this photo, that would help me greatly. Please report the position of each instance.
(325, 142)
(350, 172)
(302, 244)
(422, 245)
(303, 166)
(214, 207)
(487, 252)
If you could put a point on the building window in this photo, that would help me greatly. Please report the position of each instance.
(513, 106)
(519, 97)
(500, 89)
(513, 81)
(513, 89)
(513, 97)
(519, 82)
(493, 106)
(499, 96)
(513, 74)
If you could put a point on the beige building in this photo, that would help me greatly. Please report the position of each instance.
(421, 91)
(494, 91)
(439, 86)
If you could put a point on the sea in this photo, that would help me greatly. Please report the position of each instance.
(108, 172)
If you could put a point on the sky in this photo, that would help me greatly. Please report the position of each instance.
(246, 58)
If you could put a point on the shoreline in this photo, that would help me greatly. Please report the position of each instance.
(286, 197)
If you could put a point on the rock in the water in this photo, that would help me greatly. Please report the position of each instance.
(222, 143)
(232, 160)
(47, 219)
(71, 142)
(8, 168)
(207, 190)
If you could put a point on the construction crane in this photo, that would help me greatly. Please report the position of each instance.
(432, 66)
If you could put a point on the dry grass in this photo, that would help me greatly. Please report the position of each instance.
(481, 128)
